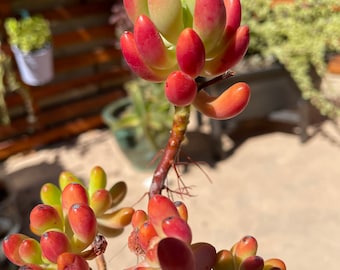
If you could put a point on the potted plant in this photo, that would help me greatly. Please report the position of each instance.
(141, 121)
(300, 35)
(30, 40)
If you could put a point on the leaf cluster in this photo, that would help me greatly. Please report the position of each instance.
(300, 34)
(28, 34)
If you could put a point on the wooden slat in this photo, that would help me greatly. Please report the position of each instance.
(86, 64)
(60, 114)
(78, 10)
(38, 93)
(39, 6)
(96, 57)
(83, 35)
(40, 139)
(5, 9)
(64, 14)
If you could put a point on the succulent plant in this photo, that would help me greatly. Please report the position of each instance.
(28, 34)
(299, 34)
(162, 239)
(150, 113)
(188, 39)
(70, 219)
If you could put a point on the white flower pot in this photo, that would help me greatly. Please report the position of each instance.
(36, 68)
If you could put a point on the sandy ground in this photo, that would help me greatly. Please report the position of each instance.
(273, 187)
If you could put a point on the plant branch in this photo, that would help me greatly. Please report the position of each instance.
(225, 75)
(97, 252)
(101, 263)
(177, 134)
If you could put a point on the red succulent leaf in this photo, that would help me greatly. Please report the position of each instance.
(190, 52)
(54, 243)
(180, 88)
(10, 246)
(234, 50)
(227, 105)
(73, 193)
(136, 62)
(252, 263)
(71, 261)
(205, 255)
(174, 254)
(147, 36)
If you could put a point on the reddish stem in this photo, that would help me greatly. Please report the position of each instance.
(97, 251)
(177, 134)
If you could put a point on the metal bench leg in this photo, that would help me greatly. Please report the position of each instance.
(303, 110)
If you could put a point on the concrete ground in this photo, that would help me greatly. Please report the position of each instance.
(273, 187)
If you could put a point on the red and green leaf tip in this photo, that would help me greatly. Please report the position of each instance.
(70, 222)
(162, 239)
(178, 40)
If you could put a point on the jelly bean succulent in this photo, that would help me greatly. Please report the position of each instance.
(188, 39)
(71, 222)
(189, 45)
(163, 240)
(179, 42)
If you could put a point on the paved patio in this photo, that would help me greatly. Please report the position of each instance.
(284, 193)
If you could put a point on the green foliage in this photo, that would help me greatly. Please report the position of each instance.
(28, 34)
(9, 83)
(150, 110)
(300, 35)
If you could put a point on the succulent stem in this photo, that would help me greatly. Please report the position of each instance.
(177, 134)
(224, 76)
(97, 252)
(101, 263)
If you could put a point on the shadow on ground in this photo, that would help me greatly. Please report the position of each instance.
(26, 183)
(203, 148)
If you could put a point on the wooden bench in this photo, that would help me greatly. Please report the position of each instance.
(88, 74)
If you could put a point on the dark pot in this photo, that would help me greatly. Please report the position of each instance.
(274, 96)
(9, 216)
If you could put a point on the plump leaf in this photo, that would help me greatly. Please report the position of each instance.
(167, 16)
(174, 254)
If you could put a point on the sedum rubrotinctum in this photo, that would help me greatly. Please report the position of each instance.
(173, 41)
(162, 238)
(177, 41)
(71, 222)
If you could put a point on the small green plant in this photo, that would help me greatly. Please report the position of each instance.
(150, 111)
(28, 34)
(299, 34)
